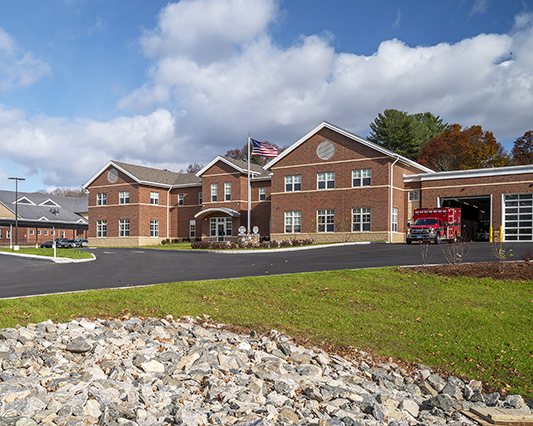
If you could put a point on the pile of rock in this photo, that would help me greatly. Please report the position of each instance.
(159, 372)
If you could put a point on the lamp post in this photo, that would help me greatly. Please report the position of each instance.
(16, 179)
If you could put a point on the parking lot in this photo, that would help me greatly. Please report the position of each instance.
(121, 267)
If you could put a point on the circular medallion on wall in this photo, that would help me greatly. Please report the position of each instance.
(112, 175)
(325, 150)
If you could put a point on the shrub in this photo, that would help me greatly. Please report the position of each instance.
(165, 241)
(175, 241)
(526, 256)
(185, 240)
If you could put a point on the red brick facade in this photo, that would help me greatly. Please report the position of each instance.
(382, 197)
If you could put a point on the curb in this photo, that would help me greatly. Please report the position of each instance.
(249, 251)
(61, 260)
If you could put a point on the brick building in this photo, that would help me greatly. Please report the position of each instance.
(330, 185)
(41, 217)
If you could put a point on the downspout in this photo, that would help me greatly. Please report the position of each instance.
(390, 207)
(168, 210)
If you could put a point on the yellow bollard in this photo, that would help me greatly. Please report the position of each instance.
(490, 235)
(501, 234)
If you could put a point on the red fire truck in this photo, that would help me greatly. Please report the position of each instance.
(435, 225)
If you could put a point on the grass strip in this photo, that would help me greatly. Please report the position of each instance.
(480, 328)
(68, 253)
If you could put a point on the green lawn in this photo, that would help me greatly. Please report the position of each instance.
(69, 253)
(477, 327)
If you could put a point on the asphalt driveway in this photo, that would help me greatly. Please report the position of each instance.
(132, 267)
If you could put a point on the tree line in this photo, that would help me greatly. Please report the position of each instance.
(440, 146)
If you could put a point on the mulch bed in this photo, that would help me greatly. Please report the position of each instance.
(507, 271)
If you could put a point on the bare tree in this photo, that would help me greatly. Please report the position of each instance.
(66, 192)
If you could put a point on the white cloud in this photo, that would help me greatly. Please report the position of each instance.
(211, 84)
(17, 67)
(265, 88)
(398, 20)
(479, 7)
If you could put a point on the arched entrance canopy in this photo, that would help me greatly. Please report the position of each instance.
(225, 210)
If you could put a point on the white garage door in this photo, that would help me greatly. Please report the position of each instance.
(518, 217)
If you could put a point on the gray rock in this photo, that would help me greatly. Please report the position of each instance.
(78, 345)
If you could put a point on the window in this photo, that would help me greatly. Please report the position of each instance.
(414, 195)
(192, 229)
(0, 232)
(362, 177)
(101, 199)
(101, 228)
(45, 232)
(214, 192)
(326, 180)
(227, 191)
(293, 183)
(200, 198)
(262, 193)
(124, 197)
(38, 232)
(32, 232)
(326, 220)
(181, 200)
(154, 228)
(8, 234)
(154, 198)
(62, 234)
(293, 222)
(124, 228)
(361, 219)
(394, 219)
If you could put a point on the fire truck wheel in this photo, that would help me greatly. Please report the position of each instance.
(437, 239)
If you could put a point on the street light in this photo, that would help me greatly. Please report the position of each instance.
(16, 179)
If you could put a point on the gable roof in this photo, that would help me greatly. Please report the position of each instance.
(68, 209)
(351, 136)
(256, 170)
(149, 176)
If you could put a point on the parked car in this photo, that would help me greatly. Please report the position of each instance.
(65, 243)
(82, 242)
(47, 244)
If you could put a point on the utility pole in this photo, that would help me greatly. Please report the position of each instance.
(16, 179)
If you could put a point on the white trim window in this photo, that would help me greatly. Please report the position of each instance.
(101, 199)
(293, 222)
(32, 232)
(362, 177)
(45, 232)
(394, 219)
(200, 198)
(325, 180)
(62, 234)
(192, 229)
(214, 192)
(361, 219)
(38, 232)
(181, 199)
(293, 183)
(262, 193)
(154, 228)
(124, 228)
(154, 198)
(101, 229)
(227, 191)
(124, 197)
(0, 232)
(414, 195)
(326, 220)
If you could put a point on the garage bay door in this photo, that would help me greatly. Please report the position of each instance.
(518, 217)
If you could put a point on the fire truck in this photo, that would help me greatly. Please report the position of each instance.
(435, 225)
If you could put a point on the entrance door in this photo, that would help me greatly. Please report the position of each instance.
(475, 215)
(220, 227)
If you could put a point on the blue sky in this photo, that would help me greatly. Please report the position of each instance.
(165, 84)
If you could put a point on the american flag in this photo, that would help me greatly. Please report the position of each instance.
(263, 149)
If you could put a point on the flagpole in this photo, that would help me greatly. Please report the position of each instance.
(249, 187)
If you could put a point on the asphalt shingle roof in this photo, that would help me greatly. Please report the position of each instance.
(166, 177)
(69, 208)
